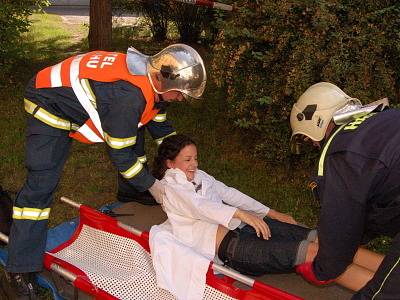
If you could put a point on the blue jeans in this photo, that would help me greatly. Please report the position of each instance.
(243, 251)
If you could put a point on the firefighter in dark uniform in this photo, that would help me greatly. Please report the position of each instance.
(357, 183)
(94, 97)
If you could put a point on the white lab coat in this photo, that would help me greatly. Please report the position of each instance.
(183, 246)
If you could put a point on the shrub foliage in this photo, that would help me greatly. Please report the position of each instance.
(190, 20)
(269, 52)
(14, 21)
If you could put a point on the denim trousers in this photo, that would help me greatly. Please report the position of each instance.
(243, 251)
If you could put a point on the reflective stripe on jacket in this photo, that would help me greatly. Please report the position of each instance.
(99, 66)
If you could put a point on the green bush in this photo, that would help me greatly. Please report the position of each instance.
(14, 21)
(193, 23)
(269, 52)
(155, 11)
(190, 20)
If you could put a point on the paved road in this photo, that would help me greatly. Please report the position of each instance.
(80, 15)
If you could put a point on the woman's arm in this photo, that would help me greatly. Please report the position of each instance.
(257, 223)
(273, 214)
(238, 199)
(182, 200)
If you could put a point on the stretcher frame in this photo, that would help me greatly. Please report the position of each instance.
(227, 283)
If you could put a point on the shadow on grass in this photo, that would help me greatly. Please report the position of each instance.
(39, 55)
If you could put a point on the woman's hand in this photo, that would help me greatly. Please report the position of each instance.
(257, 223)
(273, 214)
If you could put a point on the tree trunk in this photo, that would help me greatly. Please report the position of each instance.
(100, 25)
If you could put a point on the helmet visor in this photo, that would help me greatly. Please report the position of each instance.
(189, 81)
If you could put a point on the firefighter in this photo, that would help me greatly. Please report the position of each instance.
(357, 183)
(94, 97)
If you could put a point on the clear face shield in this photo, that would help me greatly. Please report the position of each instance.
(177, 68)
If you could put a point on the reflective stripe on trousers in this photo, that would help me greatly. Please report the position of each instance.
(45, 158)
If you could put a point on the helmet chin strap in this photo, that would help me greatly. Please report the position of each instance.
(328, 131)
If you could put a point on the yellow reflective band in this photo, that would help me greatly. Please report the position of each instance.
(322, 158)
(357, 122)
(48, 118)
(89, 92)
(160, 118)
(159, 141)
(117, 143)
(132, 171)
(28, 213)
(142, 159)
(29, 106)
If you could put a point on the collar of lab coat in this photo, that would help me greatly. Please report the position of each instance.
(177, 176)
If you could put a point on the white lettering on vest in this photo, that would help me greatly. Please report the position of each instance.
(94, 60)
(109, 60)
(92, 64)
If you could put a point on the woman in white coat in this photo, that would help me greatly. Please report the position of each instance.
(206, 218)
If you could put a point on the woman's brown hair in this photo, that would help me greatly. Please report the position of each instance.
(169, 149)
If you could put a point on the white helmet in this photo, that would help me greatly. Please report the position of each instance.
(313, 111)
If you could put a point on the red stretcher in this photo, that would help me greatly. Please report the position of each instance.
(111, 260)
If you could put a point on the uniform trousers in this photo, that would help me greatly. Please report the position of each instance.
(46, 151)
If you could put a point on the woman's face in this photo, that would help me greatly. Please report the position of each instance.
(186, 161)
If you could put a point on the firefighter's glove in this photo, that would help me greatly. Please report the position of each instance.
(306, 271)
(157, 190)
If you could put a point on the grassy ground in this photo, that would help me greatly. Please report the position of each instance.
(89, 177)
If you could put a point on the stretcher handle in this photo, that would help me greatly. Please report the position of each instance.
(218, 268)
(3, 238)
(233, 274)
(54, 267)
(120, 224)
(70, 202)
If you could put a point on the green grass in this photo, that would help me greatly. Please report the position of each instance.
(89, 176)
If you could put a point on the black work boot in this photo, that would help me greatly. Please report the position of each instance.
(20, 286)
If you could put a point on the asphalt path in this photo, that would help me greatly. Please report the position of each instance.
(80, 15)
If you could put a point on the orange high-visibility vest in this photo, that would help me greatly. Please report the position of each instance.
(98, 66)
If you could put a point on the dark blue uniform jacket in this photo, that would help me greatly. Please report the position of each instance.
(358, 188)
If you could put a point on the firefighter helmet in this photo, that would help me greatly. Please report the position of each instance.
(313, 111)
(178, 67)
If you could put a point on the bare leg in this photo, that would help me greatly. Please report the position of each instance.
(311, 252)
(368, 259)
(355, 276)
